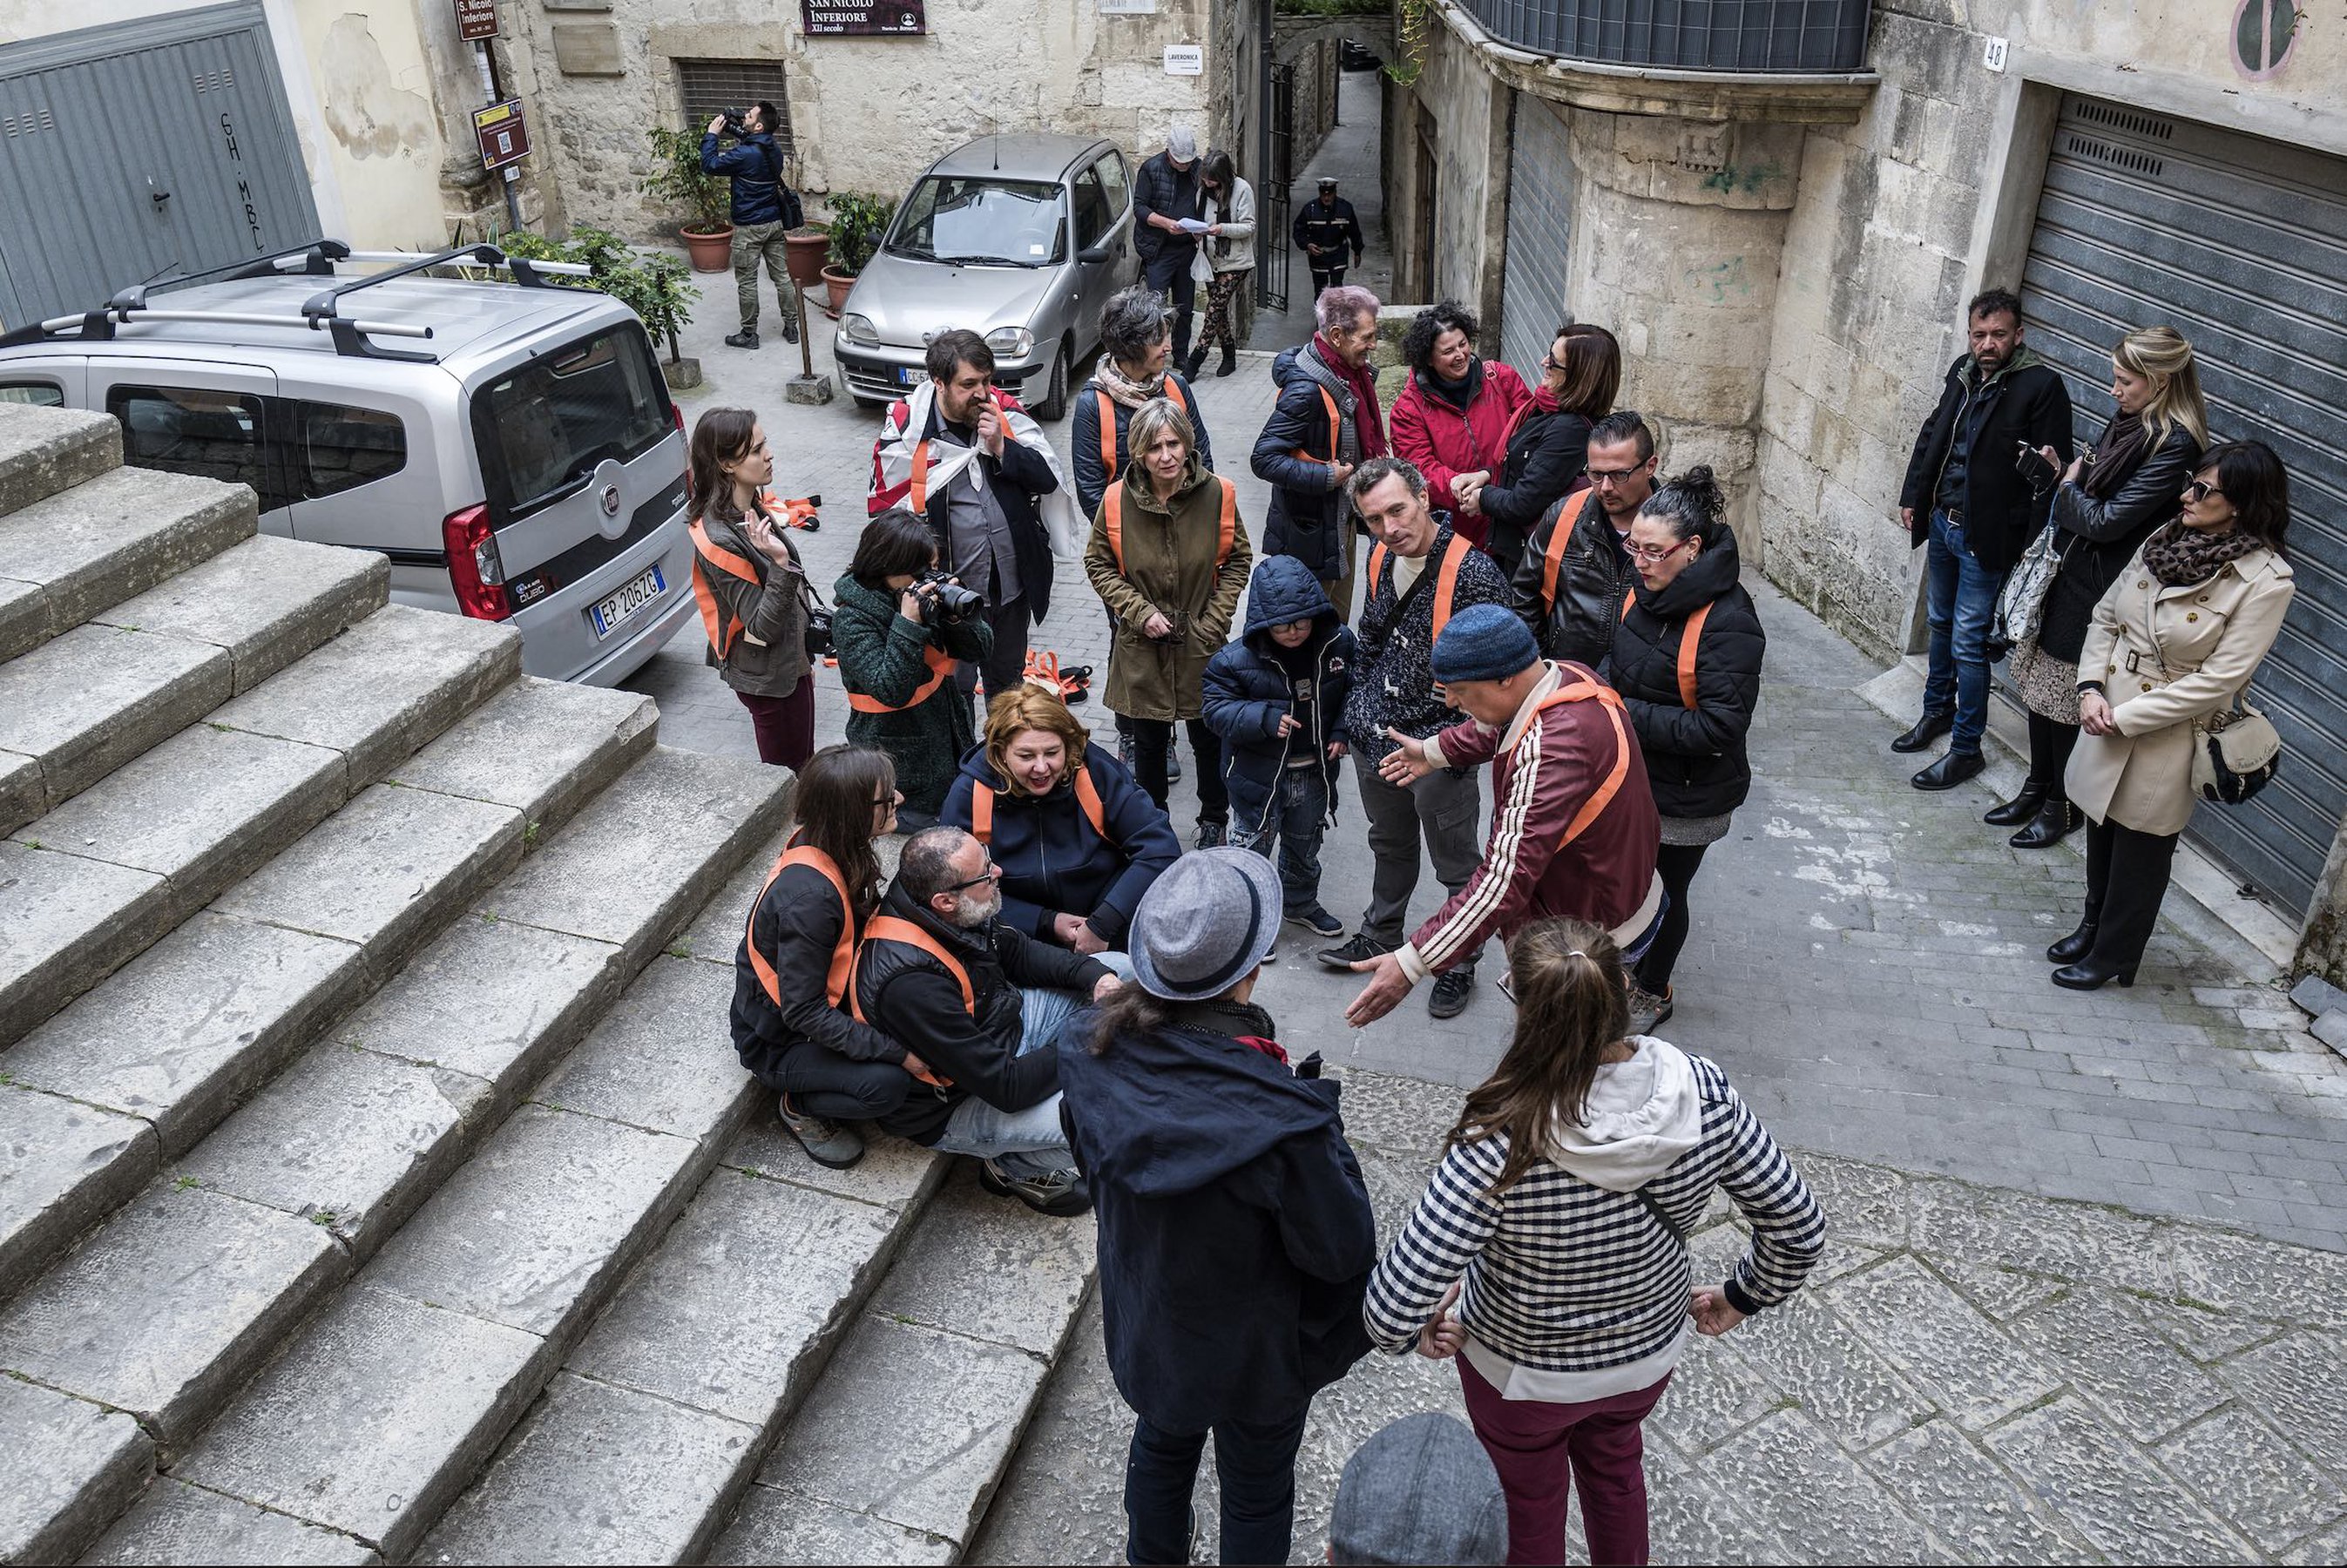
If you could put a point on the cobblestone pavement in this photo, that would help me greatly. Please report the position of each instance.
(1970, 1376)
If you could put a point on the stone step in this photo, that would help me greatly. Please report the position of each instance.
(385, 1404)
(956, 1347)
(87, 886)
(68, 557)
(82, 704)
(141, 1069)
(45, 450)
(93, 1461)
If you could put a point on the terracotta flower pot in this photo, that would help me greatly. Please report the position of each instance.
(805, 250)
(712, 252)
(837, 283)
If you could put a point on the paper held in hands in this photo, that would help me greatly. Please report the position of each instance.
(1191, 225)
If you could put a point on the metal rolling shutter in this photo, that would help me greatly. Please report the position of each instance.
(2240, 244)
(1540, 222)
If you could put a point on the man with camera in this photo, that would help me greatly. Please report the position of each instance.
(765, 209)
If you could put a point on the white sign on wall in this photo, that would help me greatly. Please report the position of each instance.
(1186, 59)
(1128, 7)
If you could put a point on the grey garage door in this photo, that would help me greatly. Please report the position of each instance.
(2240, 244)
(142, 148)
(1540, 224)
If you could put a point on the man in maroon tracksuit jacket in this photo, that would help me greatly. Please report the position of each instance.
(1575, 833)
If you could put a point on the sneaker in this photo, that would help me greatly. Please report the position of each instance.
(1172, 763)
(1647, 1009)
(1362, 946)
(1124, 750)
(1212, 834)
(1317, 920)
(827, 1143)
(1061, 1193)
(742, 340)
(790, 329)
(1454, 989)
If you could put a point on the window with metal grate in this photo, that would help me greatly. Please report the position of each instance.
(709, 86)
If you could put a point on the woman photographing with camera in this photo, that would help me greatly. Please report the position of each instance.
(899, 627)
(2172, 648)
(749, 583)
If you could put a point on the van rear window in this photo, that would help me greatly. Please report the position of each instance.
(544, 427)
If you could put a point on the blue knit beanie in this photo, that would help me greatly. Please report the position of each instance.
(1483, 643)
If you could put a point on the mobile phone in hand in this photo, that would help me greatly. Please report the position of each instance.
(2034, 465)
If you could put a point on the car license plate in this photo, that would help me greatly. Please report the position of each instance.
(615, 609)
(906, 375)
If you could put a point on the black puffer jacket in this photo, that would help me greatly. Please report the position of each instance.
(2099, 538)
(1590, 582)
(1546, 457)
(910, 998)
(1696, 758)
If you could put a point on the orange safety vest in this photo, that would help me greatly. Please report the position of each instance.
(1688, 638)
(1559, 540)
(843, 956)
(1446, 578)
(896, 928)
(940, 663)
(1227, 529)
(721, 625)
(1611, 700)
(981, 808)
(1336, 432)
(1108, 423)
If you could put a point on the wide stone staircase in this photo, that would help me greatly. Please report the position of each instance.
(376, 1180)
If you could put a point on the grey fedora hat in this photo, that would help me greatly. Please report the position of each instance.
(1205, 924)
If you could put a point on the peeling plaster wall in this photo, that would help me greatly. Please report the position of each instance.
(382, 137)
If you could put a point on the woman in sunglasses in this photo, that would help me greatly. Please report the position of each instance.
(2176, 640)
(1686, 660)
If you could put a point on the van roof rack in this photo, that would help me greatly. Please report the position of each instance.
(320, 312)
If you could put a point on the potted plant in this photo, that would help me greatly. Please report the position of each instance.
(654, 284)
(707, 201)
(858, 221)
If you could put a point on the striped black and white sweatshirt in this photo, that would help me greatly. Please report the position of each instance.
(1575, 1289)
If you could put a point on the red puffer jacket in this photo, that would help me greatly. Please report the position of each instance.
(1441, 442)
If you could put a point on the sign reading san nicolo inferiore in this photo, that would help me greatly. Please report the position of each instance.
(864, 18)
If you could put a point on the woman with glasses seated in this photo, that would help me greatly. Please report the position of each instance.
(1078, 841)
(1687, 660)
(2173, 642)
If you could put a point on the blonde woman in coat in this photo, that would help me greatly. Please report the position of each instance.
(2175, 639)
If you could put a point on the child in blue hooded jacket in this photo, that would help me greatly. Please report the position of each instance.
(1277, 699)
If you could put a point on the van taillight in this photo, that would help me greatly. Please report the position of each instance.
(676, 413)
(475, 569)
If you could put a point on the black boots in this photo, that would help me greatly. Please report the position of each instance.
(1230, 358)
(1190, 363)
(2054, 821)
(1928, 728)
(2020, 808)
(2074, 947)
(1950, 771)
(2092, 974)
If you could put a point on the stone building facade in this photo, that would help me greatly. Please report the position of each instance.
(1785, 256)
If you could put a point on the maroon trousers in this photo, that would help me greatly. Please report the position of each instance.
(1532, 1445)
(784, 725)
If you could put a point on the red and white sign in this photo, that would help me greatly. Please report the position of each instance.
(477, 20)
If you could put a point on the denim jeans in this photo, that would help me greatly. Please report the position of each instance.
(1029, 1142)
(1960, 597)
(1297, 816)
(1255, 1464)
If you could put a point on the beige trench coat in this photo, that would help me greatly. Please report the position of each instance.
(2212, 635)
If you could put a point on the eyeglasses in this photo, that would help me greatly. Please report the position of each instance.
(985, 875)
(1598, 476)
(1548, 362)
(1650, 553)
(2200, 490)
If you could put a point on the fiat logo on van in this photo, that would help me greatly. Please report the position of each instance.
(610, 500)
(609, 493)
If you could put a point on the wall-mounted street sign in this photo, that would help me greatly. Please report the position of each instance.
(1186, 59)
(477, 20)
(864, 18)
(503, 138)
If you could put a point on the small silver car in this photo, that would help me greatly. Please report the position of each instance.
(1017, 238)
(511, 448)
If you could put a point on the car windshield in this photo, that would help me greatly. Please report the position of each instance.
(969, 222)
(551, 422)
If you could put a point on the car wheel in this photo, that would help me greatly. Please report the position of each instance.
(1054, 405)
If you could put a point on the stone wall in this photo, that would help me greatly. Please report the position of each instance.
(1312, 44)
(1468, 111)
(866, 113)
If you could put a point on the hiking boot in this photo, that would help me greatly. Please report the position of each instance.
(827, 1143)
(1362, 946)
(790, 329)
(1454, 989)
(1061, 1194)
(1317, 920)
(742, 340)
(1212, 834)
(1647, 1011)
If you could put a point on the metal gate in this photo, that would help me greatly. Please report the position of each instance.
(1540, 226)
(146, 147)
(2241, 245)
(1272, 248)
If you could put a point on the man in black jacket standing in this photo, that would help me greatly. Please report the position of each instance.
(980, 1003)
(1570, 588)
(765, 210)
(1329, 233)
(1166, 226)
(1971, 497)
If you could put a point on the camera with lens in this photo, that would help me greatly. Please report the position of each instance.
(735, 125)
(953, 603)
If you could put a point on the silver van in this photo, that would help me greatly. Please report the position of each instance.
(511, 448)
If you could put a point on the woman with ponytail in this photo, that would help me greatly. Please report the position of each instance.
(1686, 660)
(1556, 1224)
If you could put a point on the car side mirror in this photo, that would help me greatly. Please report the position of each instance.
(1092, 255)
